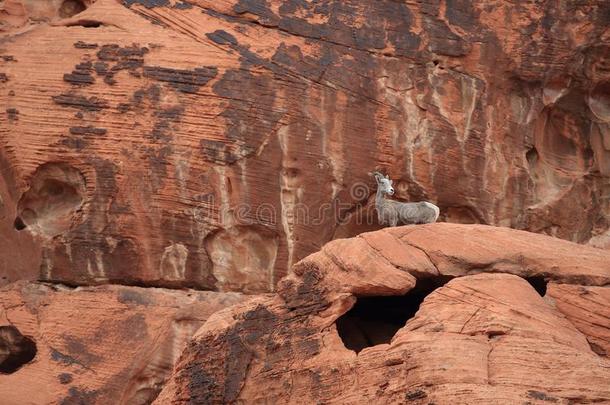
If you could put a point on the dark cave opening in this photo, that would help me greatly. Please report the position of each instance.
(375, 320)
(539, 284)
(86, 24)
(15, 349)
(532, 156)
(19, 224)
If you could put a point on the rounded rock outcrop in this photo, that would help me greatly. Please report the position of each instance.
(438, 313)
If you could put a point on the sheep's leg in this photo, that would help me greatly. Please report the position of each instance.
(393, 220)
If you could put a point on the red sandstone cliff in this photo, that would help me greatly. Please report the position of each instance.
(213, 144)
(141, 138)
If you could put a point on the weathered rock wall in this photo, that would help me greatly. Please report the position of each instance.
(212, 144)
(95, 345)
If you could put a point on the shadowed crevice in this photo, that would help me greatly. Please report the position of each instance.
(538, 283)
(375, 320)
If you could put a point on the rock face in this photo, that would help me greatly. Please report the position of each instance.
(140, 138)
(438, 313)
(95, 345)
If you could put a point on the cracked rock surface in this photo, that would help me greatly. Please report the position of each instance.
(139, 138)
(489, 331)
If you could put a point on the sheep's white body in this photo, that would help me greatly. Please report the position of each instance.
(390, 212)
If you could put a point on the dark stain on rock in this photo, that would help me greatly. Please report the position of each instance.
(122, 261)
(462, 14)
(309, 347)
(251, 328)
(311, 68)
(338, 30)
(84, 45)
(541, 396)
(186, 81)
(443, 41)
(80, 102)
(306, 297)
(151, 93)
(81, 75)
(63, 358)
(79, 396)
(158, 160)
(76, 347)
(399, 20)
(217, 152)
(147, 3)
(170, 113)
(123, 107)
(164, 118)
(248, 122)
(416, 394)
(131, 296)
(130, 58)
(13, 114)
(154, 20)
(259, 8)
(218, 364)
(164, 121)
(222, 37)
(134, 328)
(75, 143)
(65, 378)
(101, 68)
(89, 130)
(8, 58)
(3, 78)
(201, 386)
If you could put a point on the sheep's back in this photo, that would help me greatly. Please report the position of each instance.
(416, 213)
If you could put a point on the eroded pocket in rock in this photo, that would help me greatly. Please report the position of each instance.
(16, 349)
(50, 206)
(375, 320)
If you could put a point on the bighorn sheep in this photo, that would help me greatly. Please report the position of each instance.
(390, 212)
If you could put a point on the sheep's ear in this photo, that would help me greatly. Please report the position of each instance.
(387, 177)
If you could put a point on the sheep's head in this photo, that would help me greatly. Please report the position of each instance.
(384, 183)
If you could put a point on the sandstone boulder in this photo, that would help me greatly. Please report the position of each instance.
(439, 313)
(95, 345)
